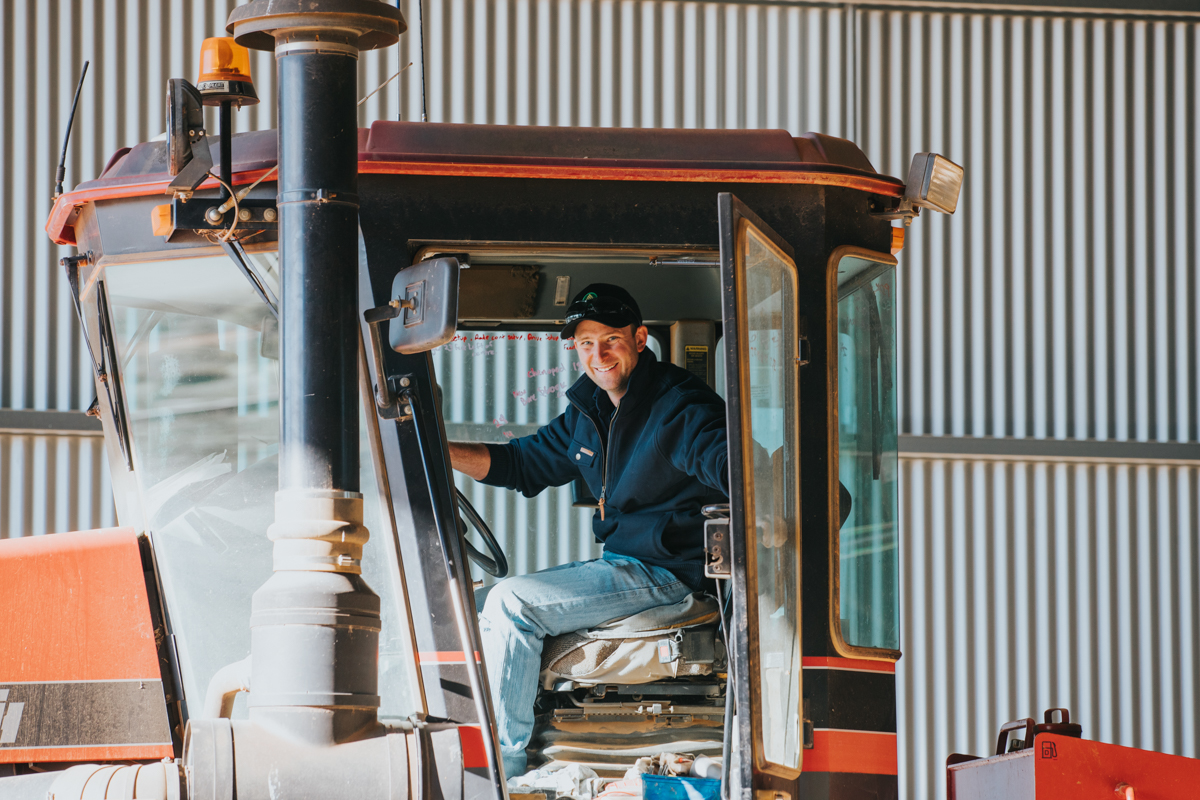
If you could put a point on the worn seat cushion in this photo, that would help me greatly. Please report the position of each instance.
(630, 650)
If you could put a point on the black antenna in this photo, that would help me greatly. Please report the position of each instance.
(421, 37)
(62, 162)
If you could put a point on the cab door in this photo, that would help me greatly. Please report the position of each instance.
(762, 362)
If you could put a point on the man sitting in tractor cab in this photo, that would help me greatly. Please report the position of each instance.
(649, 440)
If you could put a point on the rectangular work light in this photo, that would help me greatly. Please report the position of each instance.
(934, 182)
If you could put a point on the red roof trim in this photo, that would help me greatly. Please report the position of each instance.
(883, 186)
(61, 233)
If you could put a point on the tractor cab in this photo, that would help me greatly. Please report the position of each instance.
(325, 633)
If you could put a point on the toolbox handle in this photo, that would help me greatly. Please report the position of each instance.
(1018, 744)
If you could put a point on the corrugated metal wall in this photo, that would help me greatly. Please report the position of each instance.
(1032, 585)
(1059, 302)
(53, 483)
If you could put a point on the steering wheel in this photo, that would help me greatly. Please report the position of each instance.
(497, 564)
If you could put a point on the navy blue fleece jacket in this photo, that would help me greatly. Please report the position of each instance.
(664, 458)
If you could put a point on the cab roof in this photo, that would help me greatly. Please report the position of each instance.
(512, 151)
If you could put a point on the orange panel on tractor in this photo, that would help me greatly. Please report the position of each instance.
(79, 670)
(1065, 768)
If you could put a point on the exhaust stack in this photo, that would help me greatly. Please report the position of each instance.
(313, 729)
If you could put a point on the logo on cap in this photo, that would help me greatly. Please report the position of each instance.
(588, 296)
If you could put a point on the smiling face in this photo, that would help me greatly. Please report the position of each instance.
(608, 355)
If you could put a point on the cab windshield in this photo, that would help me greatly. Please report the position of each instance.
(198, 361)
(500, 385)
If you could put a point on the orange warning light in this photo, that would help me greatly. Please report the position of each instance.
(225, 73)
(223, 59)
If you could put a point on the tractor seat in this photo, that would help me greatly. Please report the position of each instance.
(661, 643)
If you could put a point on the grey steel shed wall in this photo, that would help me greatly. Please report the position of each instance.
(1033, 585)
(53, 483)
(1059, 302)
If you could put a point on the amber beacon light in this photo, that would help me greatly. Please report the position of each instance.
(225, 73)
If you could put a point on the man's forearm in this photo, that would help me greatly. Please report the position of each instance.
(471, 458)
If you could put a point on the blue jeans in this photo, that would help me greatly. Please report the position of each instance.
(522, 611)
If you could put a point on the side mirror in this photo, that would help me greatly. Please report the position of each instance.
(188, 154)
(933, 182)
(425, 299)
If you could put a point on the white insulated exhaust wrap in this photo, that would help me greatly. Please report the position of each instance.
(318, 530)
(315, 624)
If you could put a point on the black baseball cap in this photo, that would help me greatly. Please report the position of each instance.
(607, 304)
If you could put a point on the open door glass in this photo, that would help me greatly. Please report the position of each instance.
(761, 351)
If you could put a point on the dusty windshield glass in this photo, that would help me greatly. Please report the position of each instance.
(199, 359)
(769, 341)
(867, 454)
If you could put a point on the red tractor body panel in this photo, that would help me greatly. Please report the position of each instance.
(79, 635)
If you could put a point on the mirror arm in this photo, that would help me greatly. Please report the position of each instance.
(190, 177)
(188, 154)
(904, 209)
(385, 400)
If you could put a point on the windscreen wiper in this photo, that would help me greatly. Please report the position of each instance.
(71, 265)
(109, 376)
(143, 330)
(112, 380)
(875, 354)
(246, 266)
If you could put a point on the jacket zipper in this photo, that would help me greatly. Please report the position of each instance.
(606, 449)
